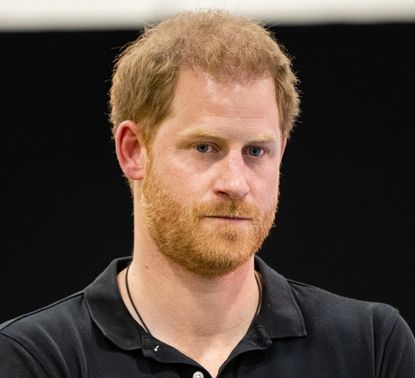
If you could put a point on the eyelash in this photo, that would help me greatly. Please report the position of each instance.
(263, 150)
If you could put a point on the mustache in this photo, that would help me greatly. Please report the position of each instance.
(228, 208)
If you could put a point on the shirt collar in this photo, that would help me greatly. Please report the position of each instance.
(280, 316)
(108, 311)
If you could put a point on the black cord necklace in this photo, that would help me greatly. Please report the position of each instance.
(259, 284)
(257, 279)
(132, 302)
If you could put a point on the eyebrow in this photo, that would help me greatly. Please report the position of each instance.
(265, 138)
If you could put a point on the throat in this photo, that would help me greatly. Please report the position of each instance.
(203, 320)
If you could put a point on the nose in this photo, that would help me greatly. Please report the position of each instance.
(231, 178)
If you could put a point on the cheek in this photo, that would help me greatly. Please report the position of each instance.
(183, 182)
(265, 189)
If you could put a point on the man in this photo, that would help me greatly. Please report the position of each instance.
(202, 106)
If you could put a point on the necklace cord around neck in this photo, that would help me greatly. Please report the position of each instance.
(132, 302)
(257, 280)
(259, 284)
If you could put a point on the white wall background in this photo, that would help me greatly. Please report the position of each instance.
(123, 14)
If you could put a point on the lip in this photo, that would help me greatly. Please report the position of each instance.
(228, 218)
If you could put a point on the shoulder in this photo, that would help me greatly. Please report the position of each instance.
(28, 342)
(353, 330)
(323, 312)
(319, 305)
(46, 320)
(340, 315)
(369, 326)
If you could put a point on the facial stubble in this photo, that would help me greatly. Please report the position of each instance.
(188, 237)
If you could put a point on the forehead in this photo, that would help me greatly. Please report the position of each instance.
(218, 94)
(235, 108)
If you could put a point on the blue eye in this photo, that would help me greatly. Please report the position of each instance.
(255, 151)
(202, 147)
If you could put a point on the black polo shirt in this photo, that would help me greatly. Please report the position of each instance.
(301, 331)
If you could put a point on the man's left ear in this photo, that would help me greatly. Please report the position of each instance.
(131, 150)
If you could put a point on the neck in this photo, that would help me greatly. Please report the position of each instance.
(175, 303)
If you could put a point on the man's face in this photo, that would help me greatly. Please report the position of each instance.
(210, 191)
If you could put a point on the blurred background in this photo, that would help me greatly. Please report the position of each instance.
(346, 216)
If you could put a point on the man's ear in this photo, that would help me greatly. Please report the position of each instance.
(130, 149)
